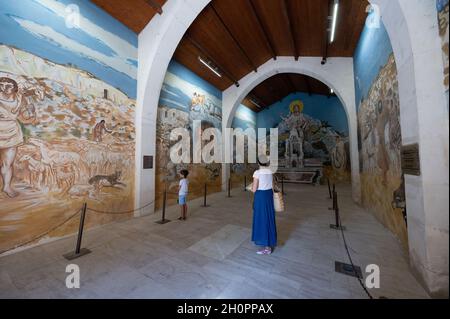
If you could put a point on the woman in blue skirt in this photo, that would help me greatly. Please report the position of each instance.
(264, 231)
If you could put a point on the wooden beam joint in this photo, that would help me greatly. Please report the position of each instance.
(155, 6)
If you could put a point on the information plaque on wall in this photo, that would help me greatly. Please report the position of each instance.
(148, 162)
(410, 159)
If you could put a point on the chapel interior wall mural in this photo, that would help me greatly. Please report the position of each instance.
(67, 102)
(379, 132)
(313, 138)
(443, 19)
(185, 98)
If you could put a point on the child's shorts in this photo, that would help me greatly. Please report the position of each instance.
(182, 199)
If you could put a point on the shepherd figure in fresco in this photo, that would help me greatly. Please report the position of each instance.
(296, 123)
(99, 130)
(13, 106)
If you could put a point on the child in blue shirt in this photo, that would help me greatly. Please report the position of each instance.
(182, 193)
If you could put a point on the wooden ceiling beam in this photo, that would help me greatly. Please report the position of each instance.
(251, 63)
(209, 56)
(155, 6)
(264, 30)
(286, 13)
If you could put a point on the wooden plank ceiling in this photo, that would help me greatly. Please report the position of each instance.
(238, 36)
(279, 86)
(135, 14)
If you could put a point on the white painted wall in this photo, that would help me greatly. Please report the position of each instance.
(413, 30)
(337, 73)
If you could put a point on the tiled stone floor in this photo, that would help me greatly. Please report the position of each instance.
(211, 256)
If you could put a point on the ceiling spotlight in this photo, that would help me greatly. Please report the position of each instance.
(210, 66)
(333, 23)
(331, 91)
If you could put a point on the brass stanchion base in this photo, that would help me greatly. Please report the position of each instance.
(333, 226)
(74, 255)
(163, 221)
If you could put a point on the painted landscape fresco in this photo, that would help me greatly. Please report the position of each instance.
(379, 131)
(185, 98)
(443, 19)
(66, 134)
(380, 146)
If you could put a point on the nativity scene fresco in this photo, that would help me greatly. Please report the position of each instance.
(185, 98)
(66, 136)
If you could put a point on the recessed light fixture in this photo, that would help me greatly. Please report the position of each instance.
(331, 91)
(333, 23)
(256, 103)
(209, 65)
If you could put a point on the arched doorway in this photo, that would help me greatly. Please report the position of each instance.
(336, 74)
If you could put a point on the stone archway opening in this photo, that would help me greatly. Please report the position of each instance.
(337, 74)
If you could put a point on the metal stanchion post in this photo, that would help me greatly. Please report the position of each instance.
(338, 225)
(205, 191)
(163, 218)
(245, 183)
(282, 185)
(329, 188)
(229, 187)
(78, 251)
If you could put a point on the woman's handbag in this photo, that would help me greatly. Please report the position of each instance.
(278, 202)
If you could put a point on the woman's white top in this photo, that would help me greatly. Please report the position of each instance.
(265, 178)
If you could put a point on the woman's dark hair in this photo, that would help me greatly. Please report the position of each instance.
(184, 172)
(263, 160)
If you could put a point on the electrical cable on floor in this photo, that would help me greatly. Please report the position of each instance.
(351, 261)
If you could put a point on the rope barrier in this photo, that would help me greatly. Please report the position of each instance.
(94, 211)
(42, 235)
(119, 213)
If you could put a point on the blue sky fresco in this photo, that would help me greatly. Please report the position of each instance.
(372, 53)
(179, 86)
(440, 4)
(317, 106)
(244, 118)
(100, 44)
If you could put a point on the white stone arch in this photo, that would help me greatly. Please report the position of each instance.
(156, 45)
(412, 27)
(337, 73)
